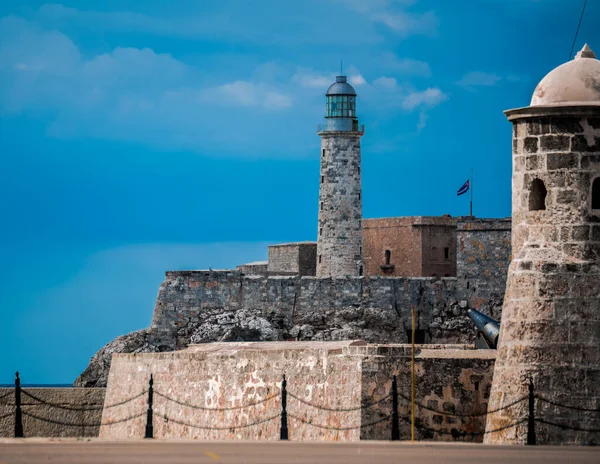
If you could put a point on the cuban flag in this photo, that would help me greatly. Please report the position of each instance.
(463, 189)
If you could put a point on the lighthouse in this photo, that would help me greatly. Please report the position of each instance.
(339, 242)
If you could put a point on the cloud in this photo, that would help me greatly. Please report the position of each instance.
(385, 83)
(141, 96)
(394, 15)
(406, 66)
(427, 98)
(478, 79)
(217, 21)
(312, 79)
(133, 94)
(357, 80)
(406, 24)
(246, 93)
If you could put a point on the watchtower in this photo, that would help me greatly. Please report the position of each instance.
(339, 242)
(550, 327)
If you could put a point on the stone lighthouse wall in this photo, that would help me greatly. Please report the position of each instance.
(339, 242)
(550, 329)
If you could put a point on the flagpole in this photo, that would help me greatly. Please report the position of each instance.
(471, 189)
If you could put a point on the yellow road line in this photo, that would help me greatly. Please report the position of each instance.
(213, 456)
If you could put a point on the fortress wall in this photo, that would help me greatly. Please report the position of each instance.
(335, 375)
(227, 375)
(210, 306)
(449, 378)
(206, 306)
(66, 397)
(483, 257)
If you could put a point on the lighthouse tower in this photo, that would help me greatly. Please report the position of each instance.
(550, 328)
(339, 242)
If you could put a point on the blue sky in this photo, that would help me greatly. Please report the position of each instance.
(138, 137)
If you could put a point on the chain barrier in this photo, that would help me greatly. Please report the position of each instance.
(566, 427)
(56, 405)
(329, 427)
(70, 424)
(458, 433)
(394, 416)
(121, 403)
(10, 392)
(203, 408)
(478, 414)
(69, 408)
(575, 408)
(325, 408)
(234, 427)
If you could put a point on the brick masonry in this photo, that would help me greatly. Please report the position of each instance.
(334, 375)
(551, 316)
(339, 234)
(67, 398)
(417, 246)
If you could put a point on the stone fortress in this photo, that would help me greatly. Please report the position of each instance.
(361, 278)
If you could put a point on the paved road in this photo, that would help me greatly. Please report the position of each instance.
(163, 452)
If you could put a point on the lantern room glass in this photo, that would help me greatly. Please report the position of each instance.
(341, 106)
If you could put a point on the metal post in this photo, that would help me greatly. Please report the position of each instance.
(18, 414)
(531, 419)
(412, 380)
(283, 434)
(395, 424)
(149, 426)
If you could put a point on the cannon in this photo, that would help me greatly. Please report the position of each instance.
(488, 329)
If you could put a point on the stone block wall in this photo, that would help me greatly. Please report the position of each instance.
(321, 377)
(551, 315)
(209, 306)
(293, 259)
(62, 406)
(483, 257)
(204, 306)
(339, 231)
(258, 268)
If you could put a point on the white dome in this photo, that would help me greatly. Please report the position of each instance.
(576, 81)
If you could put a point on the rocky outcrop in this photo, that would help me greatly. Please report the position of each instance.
(96, 374)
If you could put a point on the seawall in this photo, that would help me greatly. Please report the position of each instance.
(53, 412)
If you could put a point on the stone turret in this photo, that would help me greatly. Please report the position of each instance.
(339, 242)
(550, 330)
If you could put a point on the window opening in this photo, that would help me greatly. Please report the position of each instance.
(596, 193)
(537, 195)
(320, 231)
(319, 259)
(388, 256)
(322, 179)
(447, 254)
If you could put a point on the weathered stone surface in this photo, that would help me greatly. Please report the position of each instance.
(550, 329)
(339, 235)
(332, 375)
(74, 412)
(298, 258)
